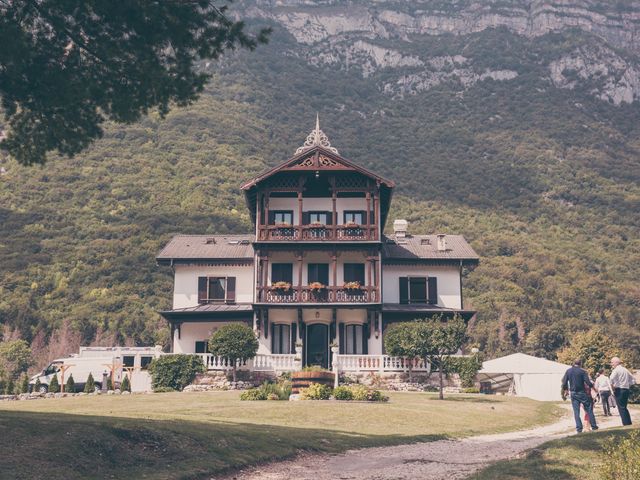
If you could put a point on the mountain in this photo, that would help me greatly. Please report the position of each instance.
(513, 122)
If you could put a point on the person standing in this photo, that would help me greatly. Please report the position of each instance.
(621, 380)
(605, 390)
(577, 382)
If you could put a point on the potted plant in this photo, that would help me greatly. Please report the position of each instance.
(335, 347)
(281, 287)
(352, 286)
(318, 290)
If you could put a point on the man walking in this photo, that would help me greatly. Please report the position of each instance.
(576, 381)
(621, 380)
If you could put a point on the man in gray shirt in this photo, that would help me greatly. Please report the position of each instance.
(621, 381)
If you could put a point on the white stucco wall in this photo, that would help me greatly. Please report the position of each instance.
(448, 282)
(191, 332)
(185, 291)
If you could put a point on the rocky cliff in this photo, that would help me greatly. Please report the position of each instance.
(398, 37)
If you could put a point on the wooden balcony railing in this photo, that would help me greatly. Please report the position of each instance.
(318, 233)
(306, 294)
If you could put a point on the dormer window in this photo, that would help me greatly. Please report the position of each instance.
(216, 290)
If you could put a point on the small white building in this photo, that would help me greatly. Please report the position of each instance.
(524, 376)
(317, 268)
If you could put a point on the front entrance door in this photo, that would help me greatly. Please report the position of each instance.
(317, 345)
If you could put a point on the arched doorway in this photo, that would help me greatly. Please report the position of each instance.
(317, 345)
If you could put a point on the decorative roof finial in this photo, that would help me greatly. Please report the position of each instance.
(316, 138)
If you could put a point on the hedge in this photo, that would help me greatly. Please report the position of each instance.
(175, 371)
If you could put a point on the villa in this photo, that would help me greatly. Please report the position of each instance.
(316, 271)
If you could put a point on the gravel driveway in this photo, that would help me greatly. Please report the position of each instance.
(439, 460)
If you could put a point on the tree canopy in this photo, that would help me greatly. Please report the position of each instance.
(235, 342)
(66, 67)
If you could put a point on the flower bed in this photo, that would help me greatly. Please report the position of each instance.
(358, 393)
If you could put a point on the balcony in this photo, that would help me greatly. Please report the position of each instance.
(307, 294)
(315, 233)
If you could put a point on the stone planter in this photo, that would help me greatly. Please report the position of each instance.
(304, 379)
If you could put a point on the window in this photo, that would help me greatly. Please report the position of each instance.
(202, 346)
(281, 339)
(322, 217)
(354, 272)
(281, 216)
(419, 290)
(282, 272)
(216, 290)
(353, 339)
(318, 272)
(145, 360)
(354, 216)
(128, 360)
(53, 368)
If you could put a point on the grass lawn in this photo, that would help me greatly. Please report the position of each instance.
(192, 435)
(573, 458)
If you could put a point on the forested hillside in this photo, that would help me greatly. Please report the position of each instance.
(536, 162)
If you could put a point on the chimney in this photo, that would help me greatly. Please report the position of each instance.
(442, 242)
(400, 228)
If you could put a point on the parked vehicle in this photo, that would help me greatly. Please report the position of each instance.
(100, 362)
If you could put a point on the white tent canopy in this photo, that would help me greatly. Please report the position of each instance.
(525, 376)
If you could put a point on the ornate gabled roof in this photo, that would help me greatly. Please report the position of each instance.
(316, 154)
(317, 138)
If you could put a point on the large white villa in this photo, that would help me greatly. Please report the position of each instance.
(317, 270)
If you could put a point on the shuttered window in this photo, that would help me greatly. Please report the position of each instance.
(322, 217)
(354, 272)
(318, 272)
(282, 272)
(355, 216)
(419, 290)
(354, 339)
(280, 339)
(281, 217)
(216, 290)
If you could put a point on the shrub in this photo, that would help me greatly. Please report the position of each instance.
(253, 394)
(268, 391)
(471, 390)
(342, 393)
(466, 367)
(175, 371)
(37, 385)
(622, 458)
(126, 384)
(316, 391)
(90, 386)
(363, 393)
(54, 386)
(70, 386)
(163, 390)
(9, 387)
(634, 394)
(314, 368)
(110, 382)
(234, 342)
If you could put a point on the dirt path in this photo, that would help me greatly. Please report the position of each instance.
(440, 460)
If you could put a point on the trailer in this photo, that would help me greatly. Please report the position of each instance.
(101, 363)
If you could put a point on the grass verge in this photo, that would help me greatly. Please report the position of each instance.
(185, 436)
(573, 458)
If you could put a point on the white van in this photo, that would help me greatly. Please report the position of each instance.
(100, 361)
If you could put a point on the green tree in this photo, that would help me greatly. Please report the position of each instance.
(403, 340)
(10, 386)
(235, 343)
(24, 384)
(441, 339)
(54, 385)
(125, 386)
(594, 347)
(69, 66)
(70, 386)
(110, 382)
(15, 357)
(90, 385)
(37, 385)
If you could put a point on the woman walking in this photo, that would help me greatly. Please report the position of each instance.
(605, 390)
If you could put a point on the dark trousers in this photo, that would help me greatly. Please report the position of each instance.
(622, 397)
(604, 398)
(581, 398)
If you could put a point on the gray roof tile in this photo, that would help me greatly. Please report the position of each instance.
(207, 247)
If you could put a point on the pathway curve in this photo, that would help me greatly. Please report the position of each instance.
(439, 460)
